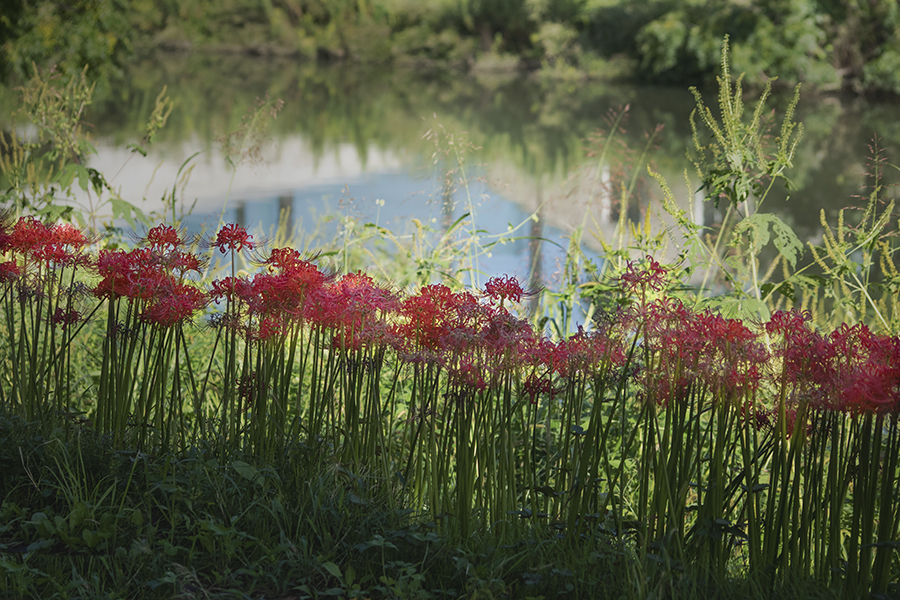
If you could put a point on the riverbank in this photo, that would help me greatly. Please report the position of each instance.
(828, 46)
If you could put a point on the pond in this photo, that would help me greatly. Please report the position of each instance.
(519, 154)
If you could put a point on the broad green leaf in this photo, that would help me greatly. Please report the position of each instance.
(122, 209)
(786, 241)
(66, 175)
(333, 569)
(245, 470)
(69, 172)
(757, 229)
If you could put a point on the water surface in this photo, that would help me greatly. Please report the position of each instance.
(518, 152)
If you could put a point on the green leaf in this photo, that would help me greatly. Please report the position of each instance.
(123, 209)
(245, 470)
(333, 592)
(80, 171)
(743, 308)
(786, 241)
(91, 538)
(784, 288)
(98, 181)
(65, 176)
(333, 569)
(138, 149)
(137, 518)
(351, 575)
(757, 229)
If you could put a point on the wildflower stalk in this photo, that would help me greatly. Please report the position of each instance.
(888, 511)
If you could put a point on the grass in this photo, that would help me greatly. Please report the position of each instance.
(188, 526)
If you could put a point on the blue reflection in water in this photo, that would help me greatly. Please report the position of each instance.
(392, 200)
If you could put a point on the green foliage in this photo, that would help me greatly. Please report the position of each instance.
(93, 34)
(779, 39)
(37, 176)
(828, 43)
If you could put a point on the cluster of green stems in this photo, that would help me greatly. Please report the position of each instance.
(684, 435)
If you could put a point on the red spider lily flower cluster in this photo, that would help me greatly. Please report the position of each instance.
(35, 244)
(504, 288)
(693, 352)
(870, 377)
(65, 317)
(233, 238)
(432, 317)
(279, 294)
(164, 238)
(851, 370)
(155, 277)
(355, 309)
(174, 304)
(674, 352)
(9, 271)
(463, 335)
(637, 278)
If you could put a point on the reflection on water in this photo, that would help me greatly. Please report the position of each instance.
(352, 133)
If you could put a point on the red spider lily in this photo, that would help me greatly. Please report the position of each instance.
(233, 238)
(807, 359)
(351, 307)
(376, 334)
(539, 385)
(286, 285)
(60, 244)
(676, 342)
(766, 419)
(63, 246)
(690, 349)
(506, 340)
(730, 364)
(9, 271)
(114, 266)
(431, 316)
(69, 235)
(27, 235)
(635, 279)
(247, 390)
(231, 289)
(289, 260)
(146, 279)
(275, 294)
(586, 353)
(467, 326)
(544, 354)
(503, 288)
(175, 305)
(65, 318)
(758, 417)
(467, 377)
(184, 262)
(363, 294)
(140, 274)
(164, 237)
(269, 328)
(56, 254)
(225, 320)
(868, 371)
(321, 308)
